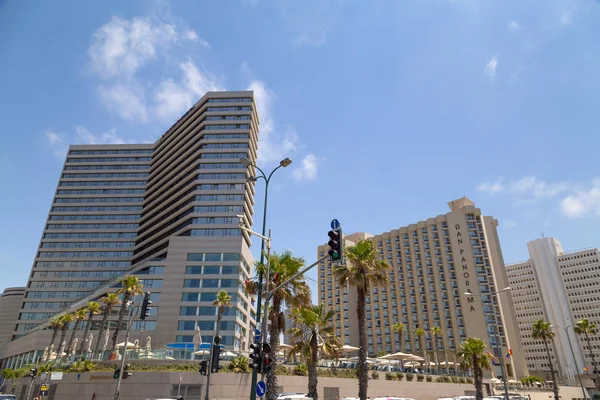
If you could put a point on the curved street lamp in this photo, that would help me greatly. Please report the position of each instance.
(496, 332)
(573, 354)
(282, 164)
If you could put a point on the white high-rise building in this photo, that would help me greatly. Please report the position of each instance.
(561, 288)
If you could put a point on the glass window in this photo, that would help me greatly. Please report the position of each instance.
(226, 283)
(195, 256)
(184, 338)
(231, 256)
(211, 296)
(211, 269)
(206, 325)
(227, 325)
(229, 270)
(207, 311)
(187, 310)
(210, 283)
(189, 297)
(213, 257)
(193, 270)
(191, 283)
(186, 325)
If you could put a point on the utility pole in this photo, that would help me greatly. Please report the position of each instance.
(129, 325)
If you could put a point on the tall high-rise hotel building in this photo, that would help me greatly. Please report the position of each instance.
(165, 212)
(434, 263)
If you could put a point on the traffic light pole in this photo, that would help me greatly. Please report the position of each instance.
(129, 325)
(269, 295)
(32, 379)
(266, 316)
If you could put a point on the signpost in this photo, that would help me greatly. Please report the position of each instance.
(257, 335)
(44, 389)
(56, 376)
(335, 224)
(261, 388)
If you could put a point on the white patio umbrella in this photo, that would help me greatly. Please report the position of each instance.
(89, 340)
(73, 347)
(61, 350)
(136, 344)
(201, 352)
(129, 345)
(46, 354)
(495, 380)
(106, 338)
(283, 346)
(197, 338)
(148, 345)
(347, 348)
(229, 354)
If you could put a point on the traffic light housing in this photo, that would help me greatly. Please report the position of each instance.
(126, 373)
(203, 367)
(267, 362)
(256, 356)
(145, 311)
(117, 373)
(216, 353)
(336, 248)
(33, 372)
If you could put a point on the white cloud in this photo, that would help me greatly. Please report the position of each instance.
(57, 144)
(513, 26)
(491, 188)
(125, 100)
(84, 136)
(529, 187)
(171, 99)
(509, 223)
(490, 68)
(312, 39)
(566, 17)
(308, 169)
(583, 202)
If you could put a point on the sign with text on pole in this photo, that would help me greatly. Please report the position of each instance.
(257, 335)
(44, 389)
(261, 389)
(336, 244)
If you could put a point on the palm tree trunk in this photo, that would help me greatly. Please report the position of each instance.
(478, 379)
(437, 357)
(75, 328)
(594, 367)
(402, 349)
(272, 390)
(554, 385)
(54, 334)
(219, 318)
(312, 370)
(363, 368)
(122, 312)
(103, 327)
(63, 333)
(85, 333)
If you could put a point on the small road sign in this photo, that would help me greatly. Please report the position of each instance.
(56, 376)
(261, 388)
(44, 389)
(257, 335)
(335, 224)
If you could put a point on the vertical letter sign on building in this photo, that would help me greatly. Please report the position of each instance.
(464, 265)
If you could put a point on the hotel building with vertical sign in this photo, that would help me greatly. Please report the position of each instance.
(434, 263)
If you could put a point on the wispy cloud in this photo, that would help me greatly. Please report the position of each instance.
(583, 202)
(308, 169)
(566, 18)
(491, 188)
(84, 136)
(317, 38)
(513, 26)
(490, 68)
(528, 187)
(57, 144)
(120, 50)
(509, 223)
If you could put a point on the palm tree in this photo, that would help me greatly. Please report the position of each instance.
(473, 355)
(66, 320)
(93, 308)
(109, 301)
(222, 301)
(542, 330)
(56, 324)
(78, 316)
(399, 328)
(587, 328)
(435, 332)
(296, 293)
(363, 268)
(130, 287)
(313, 329)
(420, 333)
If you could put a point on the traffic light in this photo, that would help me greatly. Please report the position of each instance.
(203, 367)
(336, 250)
(126, 373)
(33, 372)
(267, 363)
(117, 373)
(256, 356)
(216, 352)
(145, 312)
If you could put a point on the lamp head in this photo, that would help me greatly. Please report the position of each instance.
(246, 161)
(506, 289)
(241, 220)
(285, 162)
(468, 292)
(252, 179)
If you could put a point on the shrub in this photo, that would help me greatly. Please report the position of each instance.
(281, 370)
(375, 375)
(410, 376)
(462, 380)
(469, 379)
(239, 365)
(429, 378)
(300, 370)
(454, 379)
(390, 376)
(399, 376)
(443, 379)
(420, 378)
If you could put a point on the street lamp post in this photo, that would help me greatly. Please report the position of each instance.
(497, 333)
(247, 162)
(573, 354)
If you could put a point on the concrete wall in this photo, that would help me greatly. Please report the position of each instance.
(228, 386)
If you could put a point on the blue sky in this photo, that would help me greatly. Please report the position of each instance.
(389, 109)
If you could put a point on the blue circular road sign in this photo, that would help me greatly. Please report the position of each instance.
(335, 224)
(261, 389)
